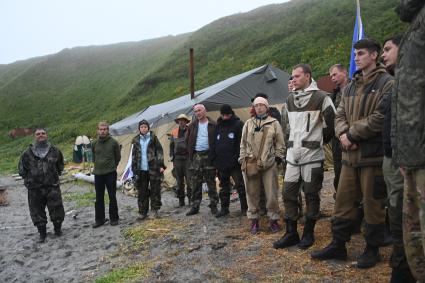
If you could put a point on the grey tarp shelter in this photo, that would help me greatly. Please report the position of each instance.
(236, 91)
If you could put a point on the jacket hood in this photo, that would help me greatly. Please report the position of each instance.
(308, 90)
(266, 120)
(359, 78)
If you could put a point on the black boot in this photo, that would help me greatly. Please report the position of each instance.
(213, 209)
(369, 258)
(223, 212)
(181, 202)
(244, 205)
(58, 228)
(43, 233)
(307, 239)
(388, 238)
(290, 238)
(335, 250)
(192, 211)
(402, 275)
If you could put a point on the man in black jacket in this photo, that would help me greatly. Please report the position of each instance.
(226, 147)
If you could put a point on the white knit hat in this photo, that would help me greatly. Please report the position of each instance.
(261, 100)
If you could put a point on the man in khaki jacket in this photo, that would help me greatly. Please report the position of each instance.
(359, 122)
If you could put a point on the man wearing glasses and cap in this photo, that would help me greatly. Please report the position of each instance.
(179, 156)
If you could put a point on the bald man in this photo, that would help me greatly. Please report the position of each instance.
(199, 139)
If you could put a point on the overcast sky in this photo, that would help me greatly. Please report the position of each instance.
(30, 28)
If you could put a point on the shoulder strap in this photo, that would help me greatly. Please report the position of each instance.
(263, 140)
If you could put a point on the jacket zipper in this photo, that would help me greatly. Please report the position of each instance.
(308, 122)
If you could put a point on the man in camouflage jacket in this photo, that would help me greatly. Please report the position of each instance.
(408, 131)
(40, 166)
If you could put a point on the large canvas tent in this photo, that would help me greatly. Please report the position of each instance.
(236, 91)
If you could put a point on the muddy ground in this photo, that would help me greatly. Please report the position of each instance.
(174, 248)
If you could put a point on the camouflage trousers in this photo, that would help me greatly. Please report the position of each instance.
(181, 168)
(414, 221)
(148, 187)
(394, 181)
(310, 178)
(201, 170)
(39, 198)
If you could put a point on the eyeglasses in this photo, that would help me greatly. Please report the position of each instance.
(40, 134)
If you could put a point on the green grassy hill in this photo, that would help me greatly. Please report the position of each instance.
(70, 91)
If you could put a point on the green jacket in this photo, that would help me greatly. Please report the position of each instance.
(106, 155)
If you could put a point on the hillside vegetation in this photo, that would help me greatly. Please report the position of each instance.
(70, 91)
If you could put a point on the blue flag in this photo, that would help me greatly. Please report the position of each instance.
(357, 35)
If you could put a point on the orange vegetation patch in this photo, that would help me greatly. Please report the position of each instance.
(294, 265)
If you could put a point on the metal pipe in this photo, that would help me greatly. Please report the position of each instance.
(191, 74)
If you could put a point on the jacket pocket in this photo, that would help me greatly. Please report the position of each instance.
(310, 144)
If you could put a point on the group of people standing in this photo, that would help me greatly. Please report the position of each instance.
(374, 122)
(208, 147)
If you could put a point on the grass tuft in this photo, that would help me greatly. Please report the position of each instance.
(126, 274)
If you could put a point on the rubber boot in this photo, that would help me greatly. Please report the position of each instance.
(58, 228)
(43, 233)
(369, 258)
(335, 250)
(213, 209)
(388, 238)
(223, 212)
(155, 214)
(274, 226)
(307, 239)
(290, 238)
(244, 205)
(192, 211)
(402, 275)
(255, 226)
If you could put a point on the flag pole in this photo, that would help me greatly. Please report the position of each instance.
(357, 35)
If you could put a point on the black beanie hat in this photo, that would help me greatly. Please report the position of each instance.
(226, 109)
(144, 122)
